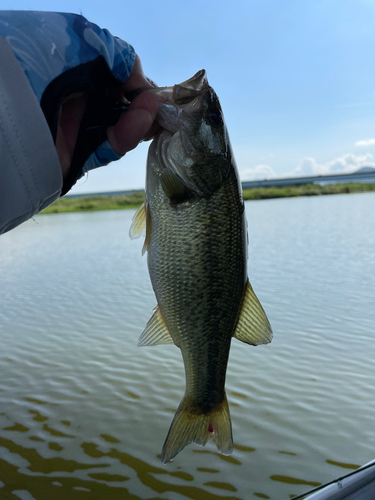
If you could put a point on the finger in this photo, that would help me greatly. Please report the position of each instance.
(134, 124)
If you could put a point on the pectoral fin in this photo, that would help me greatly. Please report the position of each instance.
(253, 326)
(141, 224)
(138, 226)
(156, 331)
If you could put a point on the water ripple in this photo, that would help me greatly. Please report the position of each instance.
(83, 410)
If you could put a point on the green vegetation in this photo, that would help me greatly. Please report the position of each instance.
(134, 200)
(94, 203)
(306, 190)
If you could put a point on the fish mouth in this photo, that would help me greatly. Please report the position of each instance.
(185, 92)
(172, 100)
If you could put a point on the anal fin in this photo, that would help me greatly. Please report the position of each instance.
(253, 326)
(156, 331)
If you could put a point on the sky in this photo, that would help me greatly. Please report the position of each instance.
(296, 79)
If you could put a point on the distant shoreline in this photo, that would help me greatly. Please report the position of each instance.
(134, 200)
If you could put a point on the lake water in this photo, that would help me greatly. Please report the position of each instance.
(84, 412)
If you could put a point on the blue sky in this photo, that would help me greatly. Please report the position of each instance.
(296, 79)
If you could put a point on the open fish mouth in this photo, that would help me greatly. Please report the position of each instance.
(172, 100)
(184, 92)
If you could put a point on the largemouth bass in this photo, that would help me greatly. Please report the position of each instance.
(196, 243)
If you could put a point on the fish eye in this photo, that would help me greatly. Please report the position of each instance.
(215, 117)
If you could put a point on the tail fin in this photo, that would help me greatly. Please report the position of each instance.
(192, 427)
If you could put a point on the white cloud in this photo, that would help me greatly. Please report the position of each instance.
(346, 163)
(309, 166)
(367, 142)
(259, 172)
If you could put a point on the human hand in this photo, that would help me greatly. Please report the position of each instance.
(81, 76)
(134, 125)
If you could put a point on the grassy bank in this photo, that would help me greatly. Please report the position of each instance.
(94, 203)
(136, 199)
(306, 190)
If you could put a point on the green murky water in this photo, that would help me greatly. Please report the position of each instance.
(84, 412)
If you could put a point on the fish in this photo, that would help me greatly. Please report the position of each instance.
(195, 228)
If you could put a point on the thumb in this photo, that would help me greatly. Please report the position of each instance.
(134, 124)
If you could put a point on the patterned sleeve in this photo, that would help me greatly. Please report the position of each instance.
(48, 44)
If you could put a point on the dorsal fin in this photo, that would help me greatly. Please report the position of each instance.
(253, 326)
